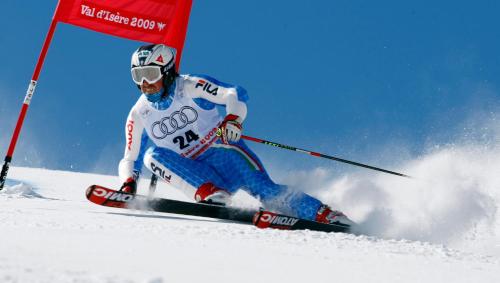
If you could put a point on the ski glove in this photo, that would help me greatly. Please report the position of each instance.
(130, 186)
(230, 129)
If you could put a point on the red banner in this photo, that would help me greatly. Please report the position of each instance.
(154, 21)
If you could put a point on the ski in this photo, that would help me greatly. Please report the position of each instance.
(263, 219)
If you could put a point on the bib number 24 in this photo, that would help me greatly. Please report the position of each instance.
(183, 141)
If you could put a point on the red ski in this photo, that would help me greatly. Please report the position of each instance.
(262, 219)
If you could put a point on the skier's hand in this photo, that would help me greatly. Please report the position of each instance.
(130, 186)
(230, 129)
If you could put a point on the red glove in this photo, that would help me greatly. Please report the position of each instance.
(230, 129)
(130, 186)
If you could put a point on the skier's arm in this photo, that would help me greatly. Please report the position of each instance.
(231, 96)
(134, 145)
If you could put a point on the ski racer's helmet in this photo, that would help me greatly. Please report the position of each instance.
(153, 62)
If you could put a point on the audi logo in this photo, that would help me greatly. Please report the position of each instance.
(176, 121)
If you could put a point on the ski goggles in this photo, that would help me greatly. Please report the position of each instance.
(150, 74)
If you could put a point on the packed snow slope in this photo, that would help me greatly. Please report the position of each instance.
(51, 233)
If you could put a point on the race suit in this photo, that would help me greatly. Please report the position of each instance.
(187, 153)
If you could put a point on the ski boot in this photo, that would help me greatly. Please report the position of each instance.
(210, 194)
(326, 215)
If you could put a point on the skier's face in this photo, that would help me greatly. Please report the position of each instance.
(148, 88)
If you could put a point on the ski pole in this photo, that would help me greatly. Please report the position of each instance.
(322, 155)
(152, 185)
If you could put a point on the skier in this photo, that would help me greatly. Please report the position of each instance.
(195, 123)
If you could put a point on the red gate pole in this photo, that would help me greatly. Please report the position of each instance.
(26, 103)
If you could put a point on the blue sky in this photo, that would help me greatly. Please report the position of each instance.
(365, 80)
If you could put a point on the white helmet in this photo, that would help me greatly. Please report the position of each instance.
(152, 62)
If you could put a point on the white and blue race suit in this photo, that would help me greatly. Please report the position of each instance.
(187, 153)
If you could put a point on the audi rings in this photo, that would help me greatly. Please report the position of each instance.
(176, 121)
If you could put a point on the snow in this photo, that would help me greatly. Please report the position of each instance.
(51, 233)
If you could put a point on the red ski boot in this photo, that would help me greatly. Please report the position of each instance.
(327, 215)
(209, 193)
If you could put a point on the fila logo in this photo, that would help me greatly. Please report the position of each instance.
(207, 87)
(111, 195)
(160, 172)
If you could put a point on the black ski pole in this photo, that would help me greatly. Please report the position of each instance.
(152, 185)
(322, 155)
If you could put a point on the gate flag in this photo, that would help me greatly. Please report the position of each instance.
(153, 21)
